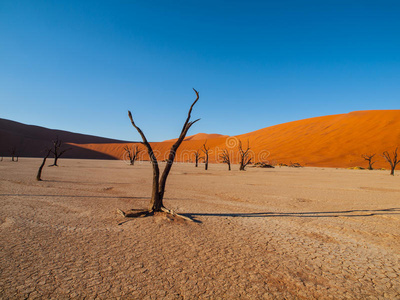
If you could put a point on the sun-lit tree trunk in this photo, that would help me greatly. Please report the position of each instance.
(392, 160)
(158, 188)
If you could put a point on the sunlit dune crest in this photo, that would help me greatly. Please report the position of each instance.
(200, 136)
(328, 141)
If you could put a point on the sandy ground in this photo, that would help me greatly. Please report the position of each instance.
(261, 234)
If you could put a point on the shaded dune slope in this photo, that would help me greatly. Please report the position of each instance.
(31, 141)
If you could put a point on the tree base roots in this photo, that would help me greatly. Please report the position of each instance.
(136, 213)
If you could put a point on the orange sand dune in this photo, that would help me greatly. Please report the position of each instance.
(329, 141)
(201, 136)
(334, 141)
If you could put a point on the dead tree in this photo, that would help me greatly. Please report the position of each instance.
(245, 158)
(158, 189)
(133, 153)
(205, 151)
(57, 152)
(13, 152)
(226, 158)
(197, 157)
(369, 157)
(393, 161)
(39, 173)
(294, 165)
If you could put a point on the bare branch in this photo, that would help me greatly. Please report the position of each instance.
(39, 173)
(197, 157)
(156, 202)
(245, 158)
(369, 157)
(205, 151)
(226, 158)
(393, 161)
(175, 147)
(56, 150)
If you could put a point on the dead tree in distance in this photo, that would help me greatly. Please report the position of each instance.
(13, 152)
(245, 158)
(226, 158)
(158, 189)
(393, 161)
(205, 151)
(197, 157)
(39, 173)
(133, 153)
(369, 157)
(57, 152)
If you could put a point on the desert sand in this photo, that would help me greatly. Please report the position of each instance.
(280, 233)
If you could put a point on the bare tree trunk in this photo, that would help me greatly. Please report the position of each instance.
(158, 188)
(392, 171)
(13, 151)
(369, 157)
(39, 173)
(156, 201)
(245, 158)
(197, 158)
(129, 152)
(133, 153)
(56, 150)
(392, 160)
(226, 158)
(205, 151)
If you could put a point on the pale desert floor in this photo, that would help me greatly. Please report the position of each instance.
(261, 234)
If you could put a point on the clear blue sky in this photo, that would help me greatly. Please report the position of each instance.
(80, 65)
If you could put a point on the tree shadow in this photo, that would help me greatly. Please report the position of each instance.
(85, 182)
(193, 216)
(84, 196)
(74, 196)
(313, 214)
